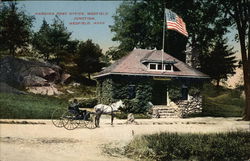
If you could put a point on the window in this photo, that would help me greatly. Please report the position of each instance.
(159, 66)
(152, 66)
(131, 91)
(168, 67)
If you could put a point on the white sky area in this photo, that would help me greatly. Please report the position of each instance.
(99, 33)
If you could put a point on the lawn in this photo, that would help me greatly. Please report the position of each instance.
(222, 102)
(29, 106)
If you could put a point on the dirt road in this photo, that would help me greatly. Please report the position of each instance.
(44, 142)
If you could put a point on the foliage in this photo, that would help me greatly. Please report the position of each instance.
(114, 53)
(140, 24)
(117, 88)
(53, 41)
(29, 106)
(41, 40)
(88, 102)
(233, 146)
(143, 94)
(15, 28)
(88, 57)
(104, 91)
(174, 88)
(220, 63)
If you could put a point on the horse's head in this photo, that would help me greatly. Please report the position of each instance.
(117, 105)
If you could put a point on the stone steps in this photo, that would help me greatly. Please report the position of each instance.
(165, 112)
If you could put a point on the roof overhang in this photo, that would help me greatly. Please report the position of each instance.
(154, 75)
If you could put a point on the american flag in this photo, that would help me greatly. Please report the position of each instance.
(174, 22)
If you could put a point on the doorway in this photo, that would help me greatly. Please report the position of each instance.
(159, 95)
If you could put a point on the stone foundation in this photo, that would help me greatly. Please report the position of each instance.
(181, 108)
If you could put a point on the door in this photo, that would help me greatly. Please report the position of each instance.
(159, 95)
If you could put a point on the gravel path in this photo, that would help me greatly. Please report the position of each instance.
(39, 140)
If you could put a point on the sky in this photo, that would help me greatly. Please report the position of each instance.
(85, 19)
(77, 14)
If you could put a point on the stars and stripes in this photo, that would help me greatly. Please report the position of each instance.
(174, 22)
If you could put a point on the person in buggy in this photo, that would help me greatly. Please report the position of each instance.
(74, 108)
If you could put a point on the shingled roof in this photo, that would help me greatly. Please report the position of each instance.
(132, 64)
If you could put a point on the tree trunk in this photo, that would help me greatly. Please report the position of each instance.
(246, 115)
(217, 82)
(89, 76)
(246, 75)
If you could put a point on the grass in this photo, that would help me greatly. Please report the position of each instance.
(222, 102)
(232, 146)
(29, 106)
(217, 102)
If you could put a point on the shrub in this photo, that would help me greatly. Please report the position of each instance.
(233, 146)
(117, 88)
(89, 102)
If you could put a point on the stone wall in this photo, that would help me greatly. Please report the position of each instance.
(191, 106)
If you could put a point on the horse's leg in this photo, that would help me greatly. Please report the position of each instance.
(97, 118)
(112, 117)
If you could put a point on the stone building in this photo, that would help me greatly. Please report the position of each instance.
(145, 76)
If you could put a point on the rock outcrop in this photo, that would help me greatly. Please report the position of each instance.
(36, 77)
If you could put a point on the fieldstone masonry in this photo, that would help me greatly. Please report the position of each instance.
(180, 108)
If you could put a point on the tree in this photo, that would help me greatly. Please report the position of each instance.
(140, 24)
(41, 41)
(114, 53)
(53, 42)
(220, 62)
(15, 28)
(239, 12)
(88, 58)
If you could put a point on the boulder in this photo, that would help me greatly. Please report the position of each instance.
(65, 77)
(44, 90)
(33, 80)
(37, 77)
(18, 71)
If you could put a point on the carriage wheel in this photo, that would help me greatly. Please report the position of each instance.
(90, 123)
(56, 117)
(70, 121)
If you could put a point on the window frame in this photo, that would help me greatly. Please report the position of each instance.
(156, 66)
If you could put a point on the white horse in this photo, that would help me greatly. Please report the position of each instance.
(108, 109)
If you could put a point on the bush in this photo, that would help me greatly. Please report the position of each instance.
(233, 146)
(89, 102)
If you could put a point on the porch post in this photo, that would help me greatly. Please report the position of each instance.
(168, 100)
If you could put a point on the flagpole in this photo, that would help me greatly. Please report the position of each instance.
(163, 36)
